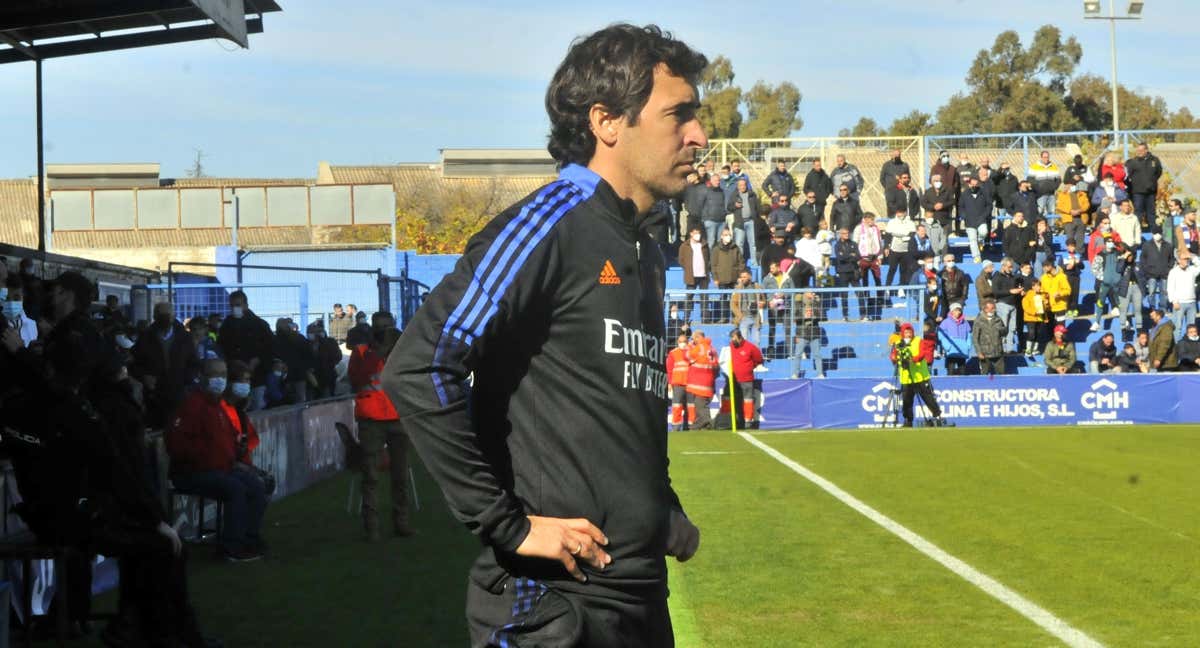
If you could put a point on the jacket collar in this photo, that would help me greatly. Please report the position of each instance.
(593, 186)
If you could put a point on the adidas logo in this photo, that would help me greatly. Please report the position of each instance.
(609, 276)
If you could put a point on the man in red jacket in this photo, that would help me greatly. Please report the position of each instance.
(209, 444)
(379, 426)
(745, 356)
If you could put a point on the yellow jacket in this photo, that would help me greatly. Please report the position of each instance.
(1058, 288)
(1036, 306)
(1067, 201)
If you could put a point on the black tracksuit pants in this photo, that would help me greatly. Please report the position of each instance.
(524, 612)
(925, 391)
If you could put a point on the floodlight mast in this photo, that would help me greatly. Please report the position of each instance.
(1091, 11)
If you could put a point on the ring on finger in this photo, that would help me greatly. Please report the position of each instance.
(578, 549)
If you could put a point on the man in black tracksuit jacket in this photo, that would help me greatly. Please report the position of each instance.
(532, 382)
(576, 402)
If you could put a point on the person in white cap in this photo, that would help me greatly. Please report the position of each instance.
(954, 336)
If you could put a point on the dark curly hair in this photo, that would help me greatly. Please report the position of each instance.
(613, 67)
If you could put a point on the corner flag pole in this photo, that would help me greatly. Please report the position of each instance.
(732, 403)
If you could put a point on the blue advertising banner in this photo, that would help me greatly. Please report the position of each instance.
(786, 404)
(986, 401)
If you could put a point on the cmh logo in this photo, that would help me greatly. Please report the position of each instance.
(1104, 399)
(877, 402)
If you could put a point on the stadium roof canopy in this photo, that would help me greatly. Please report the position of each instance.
(32, 30)
(35, 30)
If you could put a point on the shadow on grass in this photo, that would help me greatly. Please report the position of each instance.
(324, 585)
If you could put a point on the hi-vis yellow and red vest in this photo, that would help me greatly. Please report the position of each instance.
(702, 372)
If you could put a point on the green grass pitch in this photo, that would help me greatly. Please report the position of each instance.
(1098, 526)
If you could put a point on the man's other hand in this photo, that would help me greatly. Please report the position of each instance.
(683, 539)
(567, 541)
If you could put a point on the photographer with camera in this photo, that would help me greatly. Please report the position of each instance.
(912, 357)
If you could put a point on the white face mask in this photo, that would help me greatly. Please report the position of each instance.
(937, 184)
(13, 309)
(949, 265)
(1194, 338)
(237, 312)
(726, 239)
(124, 342)
(240, 389)
(1157, 237)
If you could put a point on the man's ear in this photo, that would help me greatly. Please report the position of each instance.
(604, 123)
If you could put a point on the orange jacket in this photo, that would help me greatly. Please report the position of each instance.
(369, 400)
(702, 373)
(677, 366)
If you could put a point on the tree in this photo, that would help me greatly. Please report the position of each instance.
(720, 99)
(771, 111)
(866, 127)
(433, 222)
(765, 111)
(911, 125)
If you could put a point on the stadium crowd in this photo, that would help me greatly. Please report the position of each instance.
(1143, 259)
(82, 390)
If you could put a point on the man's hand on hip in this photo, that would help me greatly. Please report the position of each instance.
(567, 541)
(683, 539)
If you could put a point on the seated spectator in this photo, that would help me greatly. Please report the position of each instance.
(1127, 360)
(1102, 356)
(1188, 349)
(276, 390)
(14, 311)
(1060, 353)
(328, 355)
(954, 335)
(209, 445)
(1141, 345)
(164, 361)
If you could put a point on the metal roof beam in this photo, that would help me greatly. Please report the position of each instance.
(124, 41)
(19, 46)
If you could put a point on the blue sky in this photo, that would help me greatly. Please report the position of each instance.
(379, 82)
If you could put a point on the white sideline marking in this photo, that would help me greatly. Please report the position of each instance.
(713, 452)
(1026, 608)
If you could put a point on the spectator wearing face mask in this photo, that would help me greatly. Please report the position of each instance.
(938, 201)
(975, 209)
(245, 337)
(1108, 194)
(210, 437)
(945, 170)
(164, 361)
(956, 284)
(1188, 350)
(14, 311)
